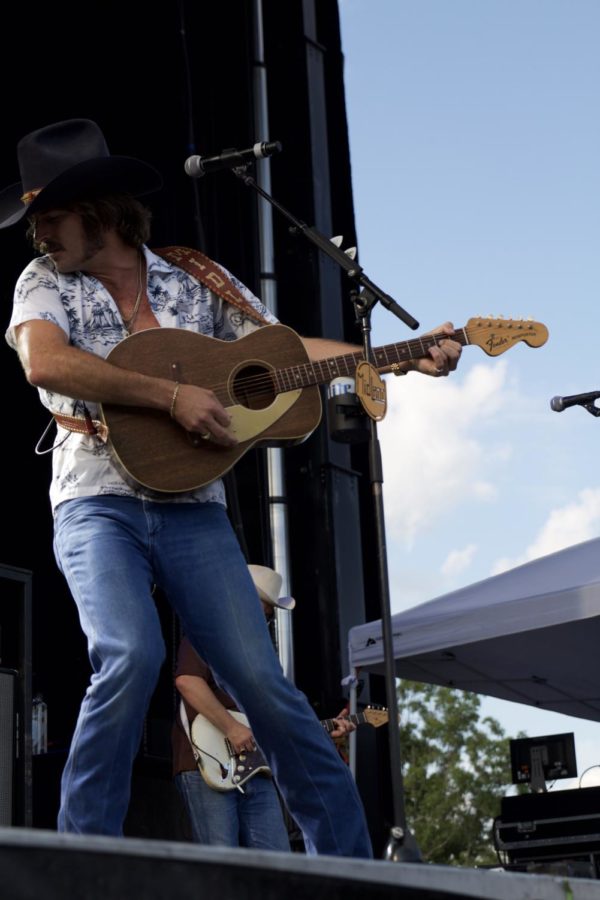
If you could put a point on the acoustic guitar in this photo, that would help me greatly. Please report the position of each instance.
(224, 770)
(265, 381)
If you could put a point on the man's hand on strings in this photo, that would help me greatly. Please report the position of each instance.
(343, 725)
(199, 411)
(442, 357)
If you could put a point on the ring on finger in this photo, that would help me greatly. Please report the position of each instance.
(206, 436)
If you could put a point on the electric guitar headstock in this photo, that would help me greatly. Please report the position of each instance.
(376, 716)
(495, 335)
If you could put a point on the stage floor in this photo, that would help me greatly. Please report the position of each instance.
(37, 863)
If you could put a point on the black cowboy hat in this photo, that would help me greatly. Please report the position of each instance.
(70, 161)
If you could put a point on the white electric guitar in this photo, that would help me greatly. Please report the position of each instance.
(224, 770)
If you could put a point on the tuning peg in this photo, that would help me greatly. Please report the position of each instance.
(337, 240)
(351, 252)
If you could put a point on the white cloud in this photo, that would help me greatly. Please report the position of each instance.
(435, 455)
(571, 524)
(458, 560)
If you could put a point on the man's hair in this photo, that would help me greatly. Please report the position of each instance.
(130, 218)
(126, 215)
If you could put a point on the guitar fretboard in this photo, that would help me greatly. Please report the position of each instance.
(356, 718)
(324, 370)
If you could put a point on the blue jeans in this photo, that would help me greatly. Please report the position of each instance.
(112, 550)
(232, 819)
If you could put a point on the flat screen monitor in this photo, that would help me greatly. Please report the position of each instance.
(536, 760)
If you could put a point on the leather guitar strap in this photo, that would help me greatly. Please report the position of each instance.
(195, 263)
(186, 727)
(203, 269)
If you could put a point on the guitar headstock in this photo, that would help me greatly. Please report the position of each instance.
(494, 336)
(376, 716)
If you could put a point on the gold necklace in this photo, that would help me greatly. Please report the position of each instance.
(130, 321)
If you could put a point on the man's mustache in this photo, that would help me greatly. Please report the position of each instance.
(48, 247)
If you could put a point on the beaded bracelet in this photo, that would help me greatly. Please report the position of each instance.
(174, 400)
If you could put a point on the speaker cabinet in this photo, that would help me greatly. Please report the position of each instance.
(8, 727)
(15, 697)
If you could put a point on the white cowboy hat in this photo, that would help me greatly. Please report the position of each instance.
(268, 584)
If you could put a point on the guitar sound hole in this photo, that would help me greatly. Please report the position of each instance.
(253, 387)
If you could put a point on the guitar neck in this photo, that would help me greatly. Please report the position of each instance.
(356, 718)
(323, 371)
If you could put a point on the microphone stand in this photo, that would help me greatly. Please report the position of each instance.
(401, 845)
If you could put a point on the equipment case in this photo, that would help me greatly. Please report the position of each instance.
(552, 826)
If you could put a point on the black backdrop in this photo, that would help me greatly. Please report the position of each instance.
(163, 85)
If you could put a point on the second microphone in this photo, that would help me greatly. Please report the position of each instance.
(560, 403)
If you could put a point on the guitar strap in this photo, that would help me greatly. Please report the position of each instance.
(186, 728)
(203, 269)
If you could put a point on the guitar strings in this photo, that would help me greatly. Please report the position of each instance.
(264, 384)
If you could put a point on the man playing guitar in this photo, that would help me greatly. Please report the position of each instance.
(227, 788)
(95, 286)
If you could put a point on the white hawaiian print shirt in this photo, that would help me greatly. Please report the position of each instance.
(80, 305)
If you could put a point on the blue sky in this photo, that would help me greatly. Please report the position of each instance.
(475, 151)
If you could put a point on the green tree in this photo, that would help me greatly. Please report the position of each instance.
(455, 769)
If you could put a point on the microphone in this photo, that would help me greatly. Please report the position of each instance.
(197, 166)
(560, 403)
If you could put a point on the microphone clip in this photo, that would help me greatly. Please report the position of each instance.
(591, 408)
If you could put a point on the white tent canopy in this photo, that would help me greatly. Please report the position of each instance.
(530, 635)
